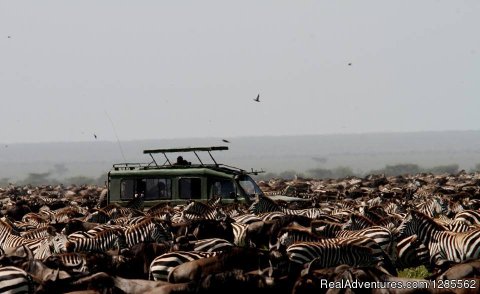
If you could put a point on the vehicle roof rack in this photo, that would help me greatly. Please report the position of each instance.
(187, 149)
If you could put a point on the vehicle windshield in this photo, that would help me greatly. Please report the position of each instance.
(249, 186)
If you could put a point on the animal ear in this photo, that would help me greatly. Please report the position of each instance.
(28, 252)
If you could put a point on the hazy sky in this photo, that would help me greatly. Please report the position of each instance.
(172, 69)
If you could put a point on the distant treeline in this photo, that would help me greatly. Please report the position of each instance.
(48, 178)
(343, 171)
(38, 179)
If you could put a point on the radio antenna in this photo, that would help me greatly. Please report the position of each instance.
(116, 136)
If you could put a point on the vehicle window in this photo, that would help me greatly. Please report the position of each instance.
(158, 189)
(151, 188)
(127, 189)
(249, 185)
(190, 188)
(222, 188)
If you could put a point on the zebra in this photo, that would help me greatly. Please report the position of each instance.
(382, 236)
(432, 207)
(358, 222)
(39, 246)
(211, 245)
(127, 221)
(362, 241)
(98, 216)
(264, 204)
(56, 242)
(470, 216)
(331, 254)
(34, 219)
(75, 262)
(162, 265)
(411, 253)
(444, 246)
(38, 233)
(196, 210)
(240, 234)
(246, 218)
(137, 202)
(95, 241)
(15, 280)
(459, 226)
(214, 201)
(150, 229)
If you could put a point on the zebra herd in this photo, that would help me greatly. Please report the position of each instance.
(381, 224)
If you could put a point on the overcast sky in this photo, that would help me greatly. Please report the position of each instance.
(175, 69)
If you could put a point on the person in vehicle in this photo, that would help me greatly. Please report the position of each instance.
(181, 161)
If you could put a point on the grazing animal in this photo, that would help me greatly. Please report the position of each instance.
(162, 265)
(237, 258)
(444, 246)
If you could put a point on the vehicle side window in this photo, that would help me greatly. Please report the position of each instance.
(158, 189)
(190, 188)
(222, 188)
(127, 189)
(150, 187)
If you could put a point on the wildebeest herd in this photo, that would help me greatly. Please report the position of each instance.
(57, 239)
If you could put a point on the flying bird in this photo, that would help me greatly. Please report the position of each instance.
(95, 136)
(257, 99)
(226, 141)
(349, 64)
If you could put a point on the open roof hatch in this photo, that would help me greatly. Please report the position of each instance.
(188, 149)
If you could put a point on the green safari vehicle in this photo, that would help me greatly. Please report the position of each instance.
(180, 181)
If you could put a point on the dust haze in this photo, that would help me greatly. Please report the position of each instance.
(358, 154)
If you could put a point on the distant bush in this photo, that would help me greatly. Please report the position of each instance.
(288, 175)
(442, 169)
(38, 179)
(336, 173)
(4, 182)
(476, 168)
(411, 169)
(398, 169)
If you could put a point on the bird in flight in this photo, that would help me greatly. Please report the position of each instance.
(349, 64)
(226, 141)
(257, 99)
(95, 135)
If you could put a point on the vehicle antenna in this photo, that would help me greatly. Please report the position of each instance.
(115, 132)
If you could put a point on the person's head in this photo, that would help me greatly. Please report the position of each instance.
(180, 159)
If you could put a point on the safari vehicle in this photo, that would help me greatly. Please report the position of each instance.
(180, 181)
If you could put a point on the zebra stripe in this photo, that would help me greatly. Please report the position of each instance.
(162, 265)
(411, 253)
(432, 207)
(149, 230)
(247, 218)
(469, 216)
(377, 251)
(199, 210)
(100, 241)
(382, 236)
(211, 245)
(240, 237)
(331, 254)
(75, 262)
(264, 204)
(443, 245)
(15, 280)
